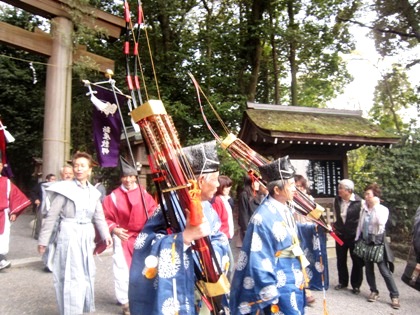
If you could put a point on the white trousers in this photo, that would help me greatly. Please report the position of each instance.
(5, 237)
(121, 272)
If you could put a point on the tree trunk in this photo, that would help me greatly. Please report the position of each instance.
(292, 54)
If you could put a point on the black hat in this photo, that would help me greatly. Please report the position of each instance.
(126, 168)
(202, 157)
(278, 169)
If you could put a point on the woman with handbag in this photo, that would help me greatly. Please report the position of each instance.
(371, 230)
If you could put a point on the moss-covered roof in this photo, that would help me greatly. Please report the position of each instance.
(310, 122)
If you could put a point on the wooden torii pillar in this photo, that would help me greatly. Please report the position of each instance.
(59, 48)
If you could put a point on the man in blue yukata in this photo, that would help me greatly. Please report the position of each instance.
(163, 274)
(270, 271)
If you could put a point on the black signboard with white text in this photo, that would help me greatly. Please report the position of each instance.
(324, 176)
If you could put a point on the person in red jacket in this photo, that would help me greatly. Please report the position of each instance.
(222, 203)
(126, 210)
(12, 204)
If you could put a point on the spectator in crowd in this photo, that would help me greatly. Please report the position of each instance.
(347, 208)
(248, 200)
(371, 229)
(221, 204)
(37, 199)
(416, 237)
(77, 208)
(66, 173)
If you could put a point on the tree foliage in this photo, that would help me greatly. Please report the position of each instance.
(393, 94)
(22, 99)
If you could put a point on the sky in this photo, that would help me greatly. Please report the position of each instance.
(366, 65)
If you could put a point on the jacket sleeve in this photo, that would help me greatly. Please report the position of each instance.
(220, 209)
(109, 212)
(100, 222)
(49, 221)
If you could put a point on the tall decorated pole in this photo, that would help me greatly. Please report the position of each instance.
(250, 160)
(177, 186)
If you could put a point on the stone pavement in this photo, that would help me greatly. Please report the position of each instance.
(26, 289)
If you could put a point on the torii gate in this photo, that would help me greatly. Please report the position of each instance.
(59, 48)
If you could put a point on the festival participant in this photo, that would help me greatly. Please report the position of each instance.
(269, 276)
(126, 210)
(77, 208)
(12, 203)
(171, 290)
(66, 172)
(371, 229)
(347, 208)
(301, 184)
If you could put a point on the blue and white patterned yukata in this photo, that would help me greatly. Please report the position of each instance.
(268, 270)
(172, 290)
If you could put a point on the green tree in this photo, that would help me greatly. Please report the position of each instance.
(22, 99)
(399, 177)
(392, 96)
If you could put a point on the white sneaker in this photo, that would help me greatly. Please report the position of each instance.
(4, 264)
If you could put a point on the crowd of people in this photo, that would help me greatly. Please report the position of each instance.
(155, 268)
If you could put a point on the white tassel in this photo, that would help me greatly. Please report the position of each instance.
(7, 134)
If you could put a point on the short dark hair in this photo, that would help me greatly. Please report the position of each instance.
(85, 155)
(48, 177)
(224, 181)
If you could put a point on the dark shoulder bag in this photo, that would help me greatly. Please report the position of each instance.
(411, 273)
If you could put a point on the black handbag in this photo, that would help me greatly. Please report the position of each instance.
(411, 275)
(369, 252)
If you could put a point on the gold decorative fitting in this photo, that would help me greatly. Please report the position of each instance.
(222, 286)
(317, 212)
(228, 141)
(150, 108)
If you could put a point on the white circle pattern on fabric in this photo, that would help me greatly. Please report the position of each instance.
(248, 283)
(244, 308)
(319, 267)
(281, 278)
(267, 265)
(267, 293)
(279, 231)
(168, 265)
(317, 243)
(256, 219)
(242, 261)
(298, 276)
(170, 307)
(140, 240)
(256, 243)
(186, 261)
